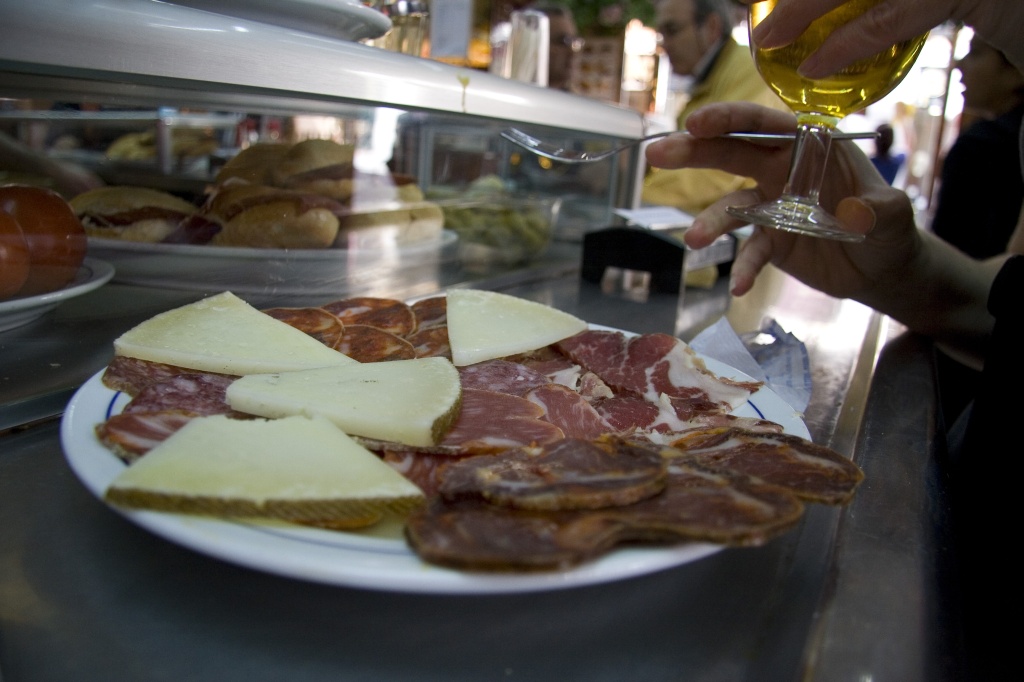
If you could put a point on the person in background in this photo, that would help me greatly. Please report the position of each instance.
(696, 35)
(565, 43)
(887, 163)
(981, 187)
(970, 307)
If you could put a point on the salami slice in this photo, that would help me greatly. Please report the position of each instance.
(195, 393)
(130, 436)
(387, 314)
(370, 344)
(131, 375)
(431, 312)
(317, 322)
(431, 342)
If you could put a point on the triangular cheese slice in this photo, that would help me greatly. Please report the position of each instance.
(225, 334)
(404, 401)
(484, 325)
(297, 469)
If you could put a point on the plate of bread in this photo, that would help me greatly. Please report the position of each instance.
(325, 453)
(304, 209)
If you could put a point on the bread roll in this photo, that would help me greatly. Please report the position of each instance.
(254, 164)
(267, 217)
(137, 214)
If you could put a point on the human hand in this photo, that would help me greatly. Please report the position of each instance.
(886, 22)
(853, 191)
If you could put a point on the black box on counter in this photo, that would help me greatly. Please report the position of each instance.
(658, 252)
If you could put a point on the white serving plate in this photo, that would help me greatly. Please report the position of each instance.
(345, 19)
(93, 274)
(377, 558)
(264, 271)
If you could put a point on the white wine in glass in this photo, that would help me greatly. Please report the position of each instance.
(819, 105)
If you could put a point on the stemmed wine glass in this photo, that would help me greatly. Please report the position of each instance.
(819, 105)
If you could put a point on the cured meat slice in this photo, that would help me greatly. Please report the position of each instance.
(569, 411)
(131, 375)
(812, 472)
(130, 436)
(491, 422)
(502, 376)
(390, 315)
(552, 363)
(664, 420)
(697, 504)
(193, 392)
(650, 365)
(568, 474)
(422, 468)
(431, 312)
(370, 344)
(431, 342)
(592, 387)
(317, 322)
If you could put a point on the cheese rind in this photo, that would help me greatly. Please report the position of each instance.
(484, 325)
(297, 468)
(404, 401)
(224, 334)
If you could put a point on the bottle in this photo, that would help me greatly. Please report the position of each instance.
(460, 32)
(408, 26)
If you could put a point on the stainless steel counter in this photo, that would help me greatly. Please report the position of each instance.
(856, 593)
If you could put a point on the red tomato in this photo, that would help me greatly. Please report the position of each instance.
(13, 257)
(54, 235)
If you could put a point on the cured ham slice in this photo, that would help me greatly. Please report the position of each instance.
(491, 422)
(662, 420)
(697, 504)
(812, 472)
(390, 315)
(369, 344)
(502, 376)
(422, 468)
(568, 474)
(569, 411)
(317, 322)
(650, 365)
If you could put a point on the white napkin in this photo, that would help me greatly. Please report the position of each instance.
(771, 355)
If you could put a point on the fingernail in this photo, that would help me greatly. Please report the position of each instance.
(809, 67)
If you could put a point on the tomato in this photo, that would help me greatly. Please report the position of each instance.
(53, 233)
(14, 262)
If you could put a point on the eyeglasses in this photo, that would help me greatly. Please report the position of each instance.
(574, 43)
(671, 29)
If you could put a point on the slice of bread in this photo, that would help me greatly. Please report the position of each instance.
(297, 469)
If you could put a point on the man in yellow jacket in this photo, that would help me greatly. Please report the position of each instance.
(697, 37)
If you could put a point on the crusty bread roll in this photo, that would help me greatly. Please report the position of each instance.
(254, 164)
(403, 224)
(185, 143)
(137, 214)
(267, 217)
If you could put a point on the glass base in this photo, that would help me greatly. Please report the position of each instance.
(793, 216)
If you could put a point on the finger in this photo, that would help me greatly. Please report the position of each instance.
(875, 30)
(789, 19)
(728, 117)
(754, 253)
(713, 222)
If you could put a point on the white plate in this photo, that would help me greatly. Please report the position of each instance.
(378, 559)
(268, 271)
(20, 311)
(345, 19)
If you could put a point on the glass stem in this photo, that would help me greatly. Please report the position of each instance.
(807, 168)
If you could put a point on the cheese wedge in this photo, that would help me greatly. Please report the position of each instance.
(404, 401)
(484, 325)
(225, 334)
(297, 469)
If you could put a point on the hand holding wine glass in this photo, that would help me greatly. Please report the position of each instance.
(819, 105)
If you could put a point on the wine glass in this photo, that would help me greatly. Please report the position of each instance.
(819, 105)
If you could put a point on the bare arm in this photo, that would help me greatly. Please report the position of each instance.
(898, 269)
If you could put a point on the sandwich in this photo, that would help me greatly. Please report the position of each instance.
(138, 214)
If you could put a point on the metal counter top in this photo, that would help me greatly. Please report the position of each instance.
(854, 593)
